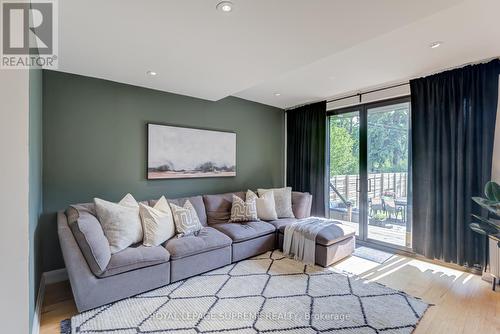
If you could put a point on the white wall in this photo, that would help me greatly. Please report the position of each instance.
(14, 244)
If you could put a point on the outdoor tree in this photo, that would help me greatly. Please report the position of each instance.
(387, 142)
(343, 148)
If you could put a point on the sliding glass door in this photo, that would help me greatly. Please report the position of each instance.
(369, 171)
(344, 168)
(388, 157)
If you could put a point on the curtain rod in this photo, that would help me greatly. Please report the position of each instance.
(401, 84)
(367, 92)
(353, 95)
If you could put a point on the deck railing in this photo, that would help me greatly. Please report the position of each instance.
(379, 184)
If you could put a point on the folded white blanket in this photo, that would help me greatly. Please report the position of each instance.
(300, 238)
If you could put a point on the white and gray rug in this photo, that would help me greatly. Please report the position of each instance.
(265, 294)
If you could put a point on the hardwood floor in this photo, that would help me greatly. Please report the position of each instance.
(58, 305)
(463, 302)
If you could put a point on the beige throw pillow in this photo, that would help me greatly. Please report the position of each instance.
(266, 208)
(243, 211)
(157, 222)
(282, 200)
(186, 219)
(120, 222)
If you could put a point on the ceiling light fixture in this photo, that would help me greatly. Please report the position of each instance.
(225, 6)
(277, 94)
(435, 45)
(151, 73)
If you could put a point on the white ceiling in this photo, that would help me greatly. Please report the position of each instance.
(304, 50)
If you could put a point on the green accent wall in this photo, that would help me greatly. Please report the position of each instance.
(94, 145)
(35, 184)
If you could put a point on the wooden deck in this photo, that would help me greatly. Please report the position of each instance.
(395, 235)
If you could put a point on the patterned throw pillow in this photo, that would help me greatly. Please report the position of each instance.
(243, 211)
(157, 223)
(282, 200)
(266, 208)
(186, 219)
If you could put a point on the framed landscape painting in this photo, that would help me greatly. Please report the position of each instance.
(178, 152)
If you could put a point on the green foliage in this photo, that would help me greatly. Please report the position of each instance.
(342, 156)
(492, 204)
(380, 216)
(492, 191)
(387, 142)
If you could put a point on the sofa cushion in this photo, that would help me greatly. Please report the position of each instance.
(89, 236)
(219, 207)
(278, 223)
(331, 234)
(245, 231)
(301, 204)
(196, 201)
(205, 240)
(135, 257)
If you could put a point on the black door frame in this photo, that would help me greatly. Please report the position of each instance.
(362, 109)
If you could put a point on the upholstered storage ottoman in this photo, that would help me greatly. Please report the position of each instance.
(333, 243)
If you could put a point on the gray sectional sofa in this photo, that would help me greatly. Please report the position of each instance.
(98, 277)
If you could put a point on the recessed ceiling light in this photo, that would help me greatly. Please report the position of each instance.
(225, 6)
(151, 73)
(435, 45)
(277, 94)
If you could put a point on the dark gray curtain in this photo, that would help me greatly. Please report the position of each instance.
(306, 153)
(453, 127)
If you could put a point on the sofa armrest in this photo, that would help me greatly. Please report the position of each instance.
(90, 291)
(80, 276)
(301, 204)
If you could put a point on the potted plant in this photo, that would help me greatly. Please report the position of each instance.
(379, 219)
(491, 203)
(489, 227)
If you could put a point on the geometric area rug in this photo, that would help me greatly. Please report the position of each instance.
(265, 294)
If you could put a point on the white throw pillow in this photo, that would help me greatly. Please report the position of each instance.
(243, 211)
(266, 208)
(186, 219)
(157, 222)
(282, 200)
(120, 222)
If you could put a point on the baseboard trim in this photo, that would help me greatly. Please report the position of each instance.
(49, 277)
(55, 276)
(35, 329)
(418, 257)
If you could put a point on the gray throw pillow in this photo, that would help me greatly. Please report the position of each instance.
(186, 219)
(89, 235)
